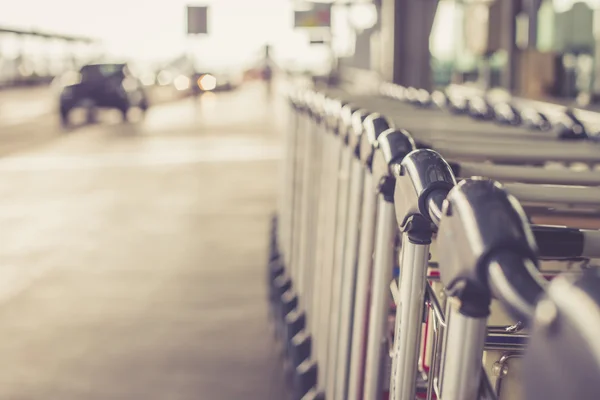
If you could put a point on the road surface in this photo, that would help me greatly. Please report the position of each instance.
(133, 255)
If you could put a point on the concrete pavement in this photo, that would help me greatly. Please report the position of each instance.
(133, 258)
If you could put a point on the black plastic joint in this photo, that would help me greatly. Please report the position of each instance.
(300, 348)
(420, 173)
(393, 146)
(480, 220)
(475, 301)
(289, 302)
(559, 242)
(305, 379)
(418, 229)
(282, 284)
(374, 125)
(295, 322)
(276, 269)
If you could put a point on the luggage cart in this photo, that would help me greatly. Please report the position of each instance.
(317, 279)
(341, 248)
(496, 257)
(370, 374)
(505, 110)
(413, 193)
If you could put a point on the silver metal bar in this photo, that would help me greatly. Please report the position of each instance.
(302, 164)
(363, 274)
(338, 263)
(463, 343)
(380, 297)
(519, 154)
(313, 228)
(409, 318)
(512, 173)
(349, 280)
(555, 194)
(327, 264)
(307, 205)
(324, 200)
(297, 122)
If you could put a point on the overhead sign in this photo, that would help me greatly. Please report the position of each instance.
(318, 16)
(197, 20)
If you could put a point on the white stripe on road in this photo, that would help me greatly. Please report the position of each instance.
(133, 159)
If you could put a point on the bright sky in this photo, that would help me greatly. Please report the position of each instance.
(156, 28)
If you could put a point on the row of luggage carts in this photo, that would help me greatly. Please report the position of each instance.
(436, 246)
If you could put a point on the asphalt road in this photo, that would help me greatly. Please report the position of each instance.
(133, 255)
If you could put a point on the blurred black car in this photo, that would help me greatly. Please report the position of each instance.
(102, 86)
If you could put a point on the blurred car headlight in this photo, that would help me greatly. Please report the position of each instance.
(181, 83)
(207, 82)
(164, 78)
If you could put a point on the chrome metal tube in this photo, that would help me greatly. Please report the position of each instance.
(337, 273)
(383, 265)
(304, 206)
(517, 173)
(349, 281)
(464, 338)
(314, 205)
(363, 276)
(325, 194)
(296, 202)
(327, 264)
(409, 318)
(555, 194)
(290, 166)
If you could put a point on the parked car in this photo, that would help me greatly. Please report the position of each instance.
(97, 86)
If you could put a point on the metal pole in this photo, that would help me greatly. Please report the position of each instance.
(296, 122)
(464, 338)
(363, 274)
(409, 318)
(380, 297)
(349, 281)
(338, 271)
(314, 226)
(327, 264)
(308, 178)
(298, 192)
(325, 196)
